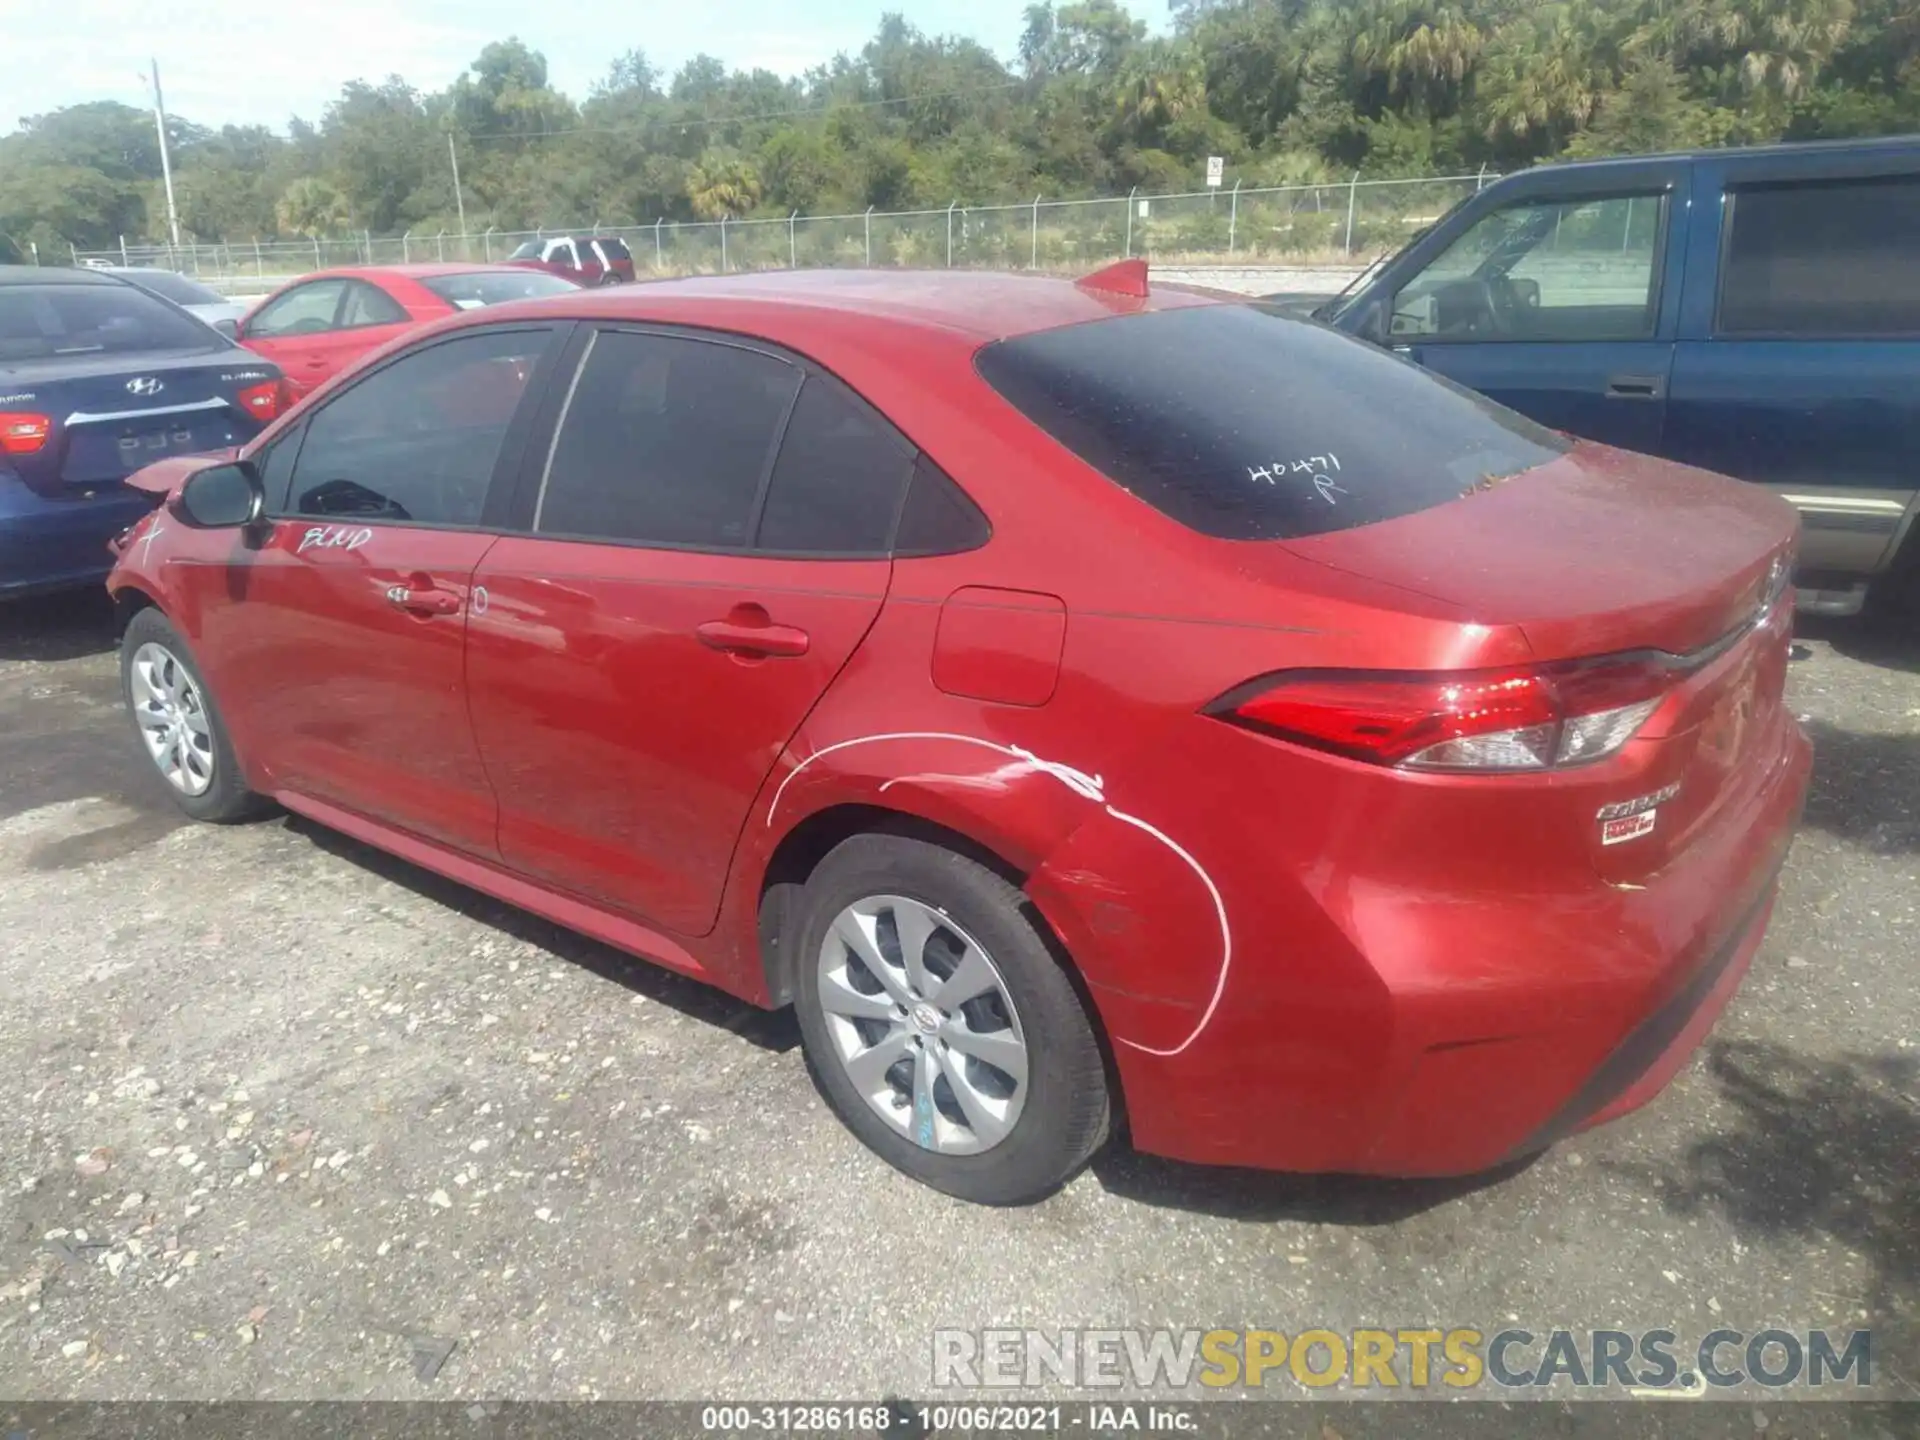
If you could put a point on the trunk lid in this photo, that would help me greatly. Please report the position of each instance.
(117, 413)
(1595, 552)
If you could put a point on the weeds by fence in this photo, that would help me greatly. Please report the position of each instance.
(1298, 222)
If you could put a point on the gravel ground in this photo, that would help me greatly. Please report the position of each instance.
(289, 1119)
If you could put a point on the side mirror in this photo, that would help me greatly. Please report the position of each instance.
(228, 328)
(222, 497)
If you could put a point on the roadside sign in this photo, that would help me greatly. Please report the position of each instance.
(1216, 170)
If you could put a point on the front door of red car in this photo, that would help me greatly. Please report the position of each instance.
(641, 660)
(339, 642)
(296, 330)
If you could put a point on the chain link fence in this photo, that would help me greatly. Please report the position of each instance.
(1300, 224)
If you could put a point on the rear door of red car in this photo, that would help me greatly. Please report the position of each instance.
(700, 548)
(338, 642)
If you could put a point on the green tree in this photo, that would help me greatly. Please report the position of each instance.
(723, 183)
(311, 206)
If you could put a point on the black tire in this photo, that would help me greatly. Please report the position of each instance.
(612, 277)
(1065, 1115)
(226, 798)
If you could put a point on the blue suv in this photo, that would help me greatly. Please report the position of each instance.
(1754, 312)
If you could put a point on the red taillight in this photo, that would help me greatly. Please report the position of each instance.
(22, 433)
(1521, 719)
(263, 401)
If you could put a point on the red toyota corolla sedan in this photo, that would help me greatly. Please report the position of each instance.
(1080, 703)
(321, 323)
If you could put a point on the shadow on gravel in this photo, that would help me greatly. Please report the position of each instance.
(1866, 787)
(1824, 1151)
(1888, 641)
(777, 1031)
(1265, 1197)
(65, 626)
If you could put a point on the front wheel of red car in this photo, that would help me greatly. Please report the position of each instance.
(939, 1025)
(179, 724)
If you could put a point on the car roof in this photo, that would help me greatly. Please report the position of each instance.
(423, 271)
(979, 305)
(54, 275)
(1878, 144)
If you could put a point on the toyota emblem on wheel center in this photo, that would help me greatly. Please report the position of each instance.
(146, 385)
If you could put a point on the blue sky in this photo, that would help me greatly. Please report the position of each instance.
(228, 60)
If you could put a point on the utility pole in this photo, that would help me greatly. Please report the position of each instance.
(166, 163)
(453, 159)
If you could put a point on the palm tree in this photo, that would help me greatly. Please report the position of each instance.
(1422, 49)
(1545, 74)
(312, 206)
(721, 183)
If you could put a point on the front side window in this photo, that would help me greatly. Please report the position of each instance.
(416, 441)
(275, 465)
(836, 487)
(303, 310)
(370, 305)
(1841, 257)
(59, 322)
(665, 441)
(1247, 426)
(1576, 270)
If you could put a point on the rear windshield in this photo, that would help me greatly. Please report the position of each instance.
(51, 322)
(177, 288)
(494, 287)
(527, 250)
(1247, 426)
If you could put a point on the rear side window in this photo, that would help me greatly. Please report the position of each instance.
(938, 518)
(837, 485)
(1247, 426)
(1835, 258)
(615, 249)
(665, 442)
(60, 322)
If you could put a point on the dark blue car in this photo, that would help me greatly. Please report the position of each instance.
(98, 378)
(1755, 312)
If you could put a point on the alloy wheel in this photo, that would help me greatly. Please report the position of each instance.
(923, 1025)
(173, 719)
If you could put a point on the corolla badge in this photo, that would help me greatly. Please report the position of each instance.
(146, 385)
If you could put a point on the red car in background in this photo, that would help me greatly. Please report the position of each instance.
(1078, 701)
(322, 322)
(589, 259)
